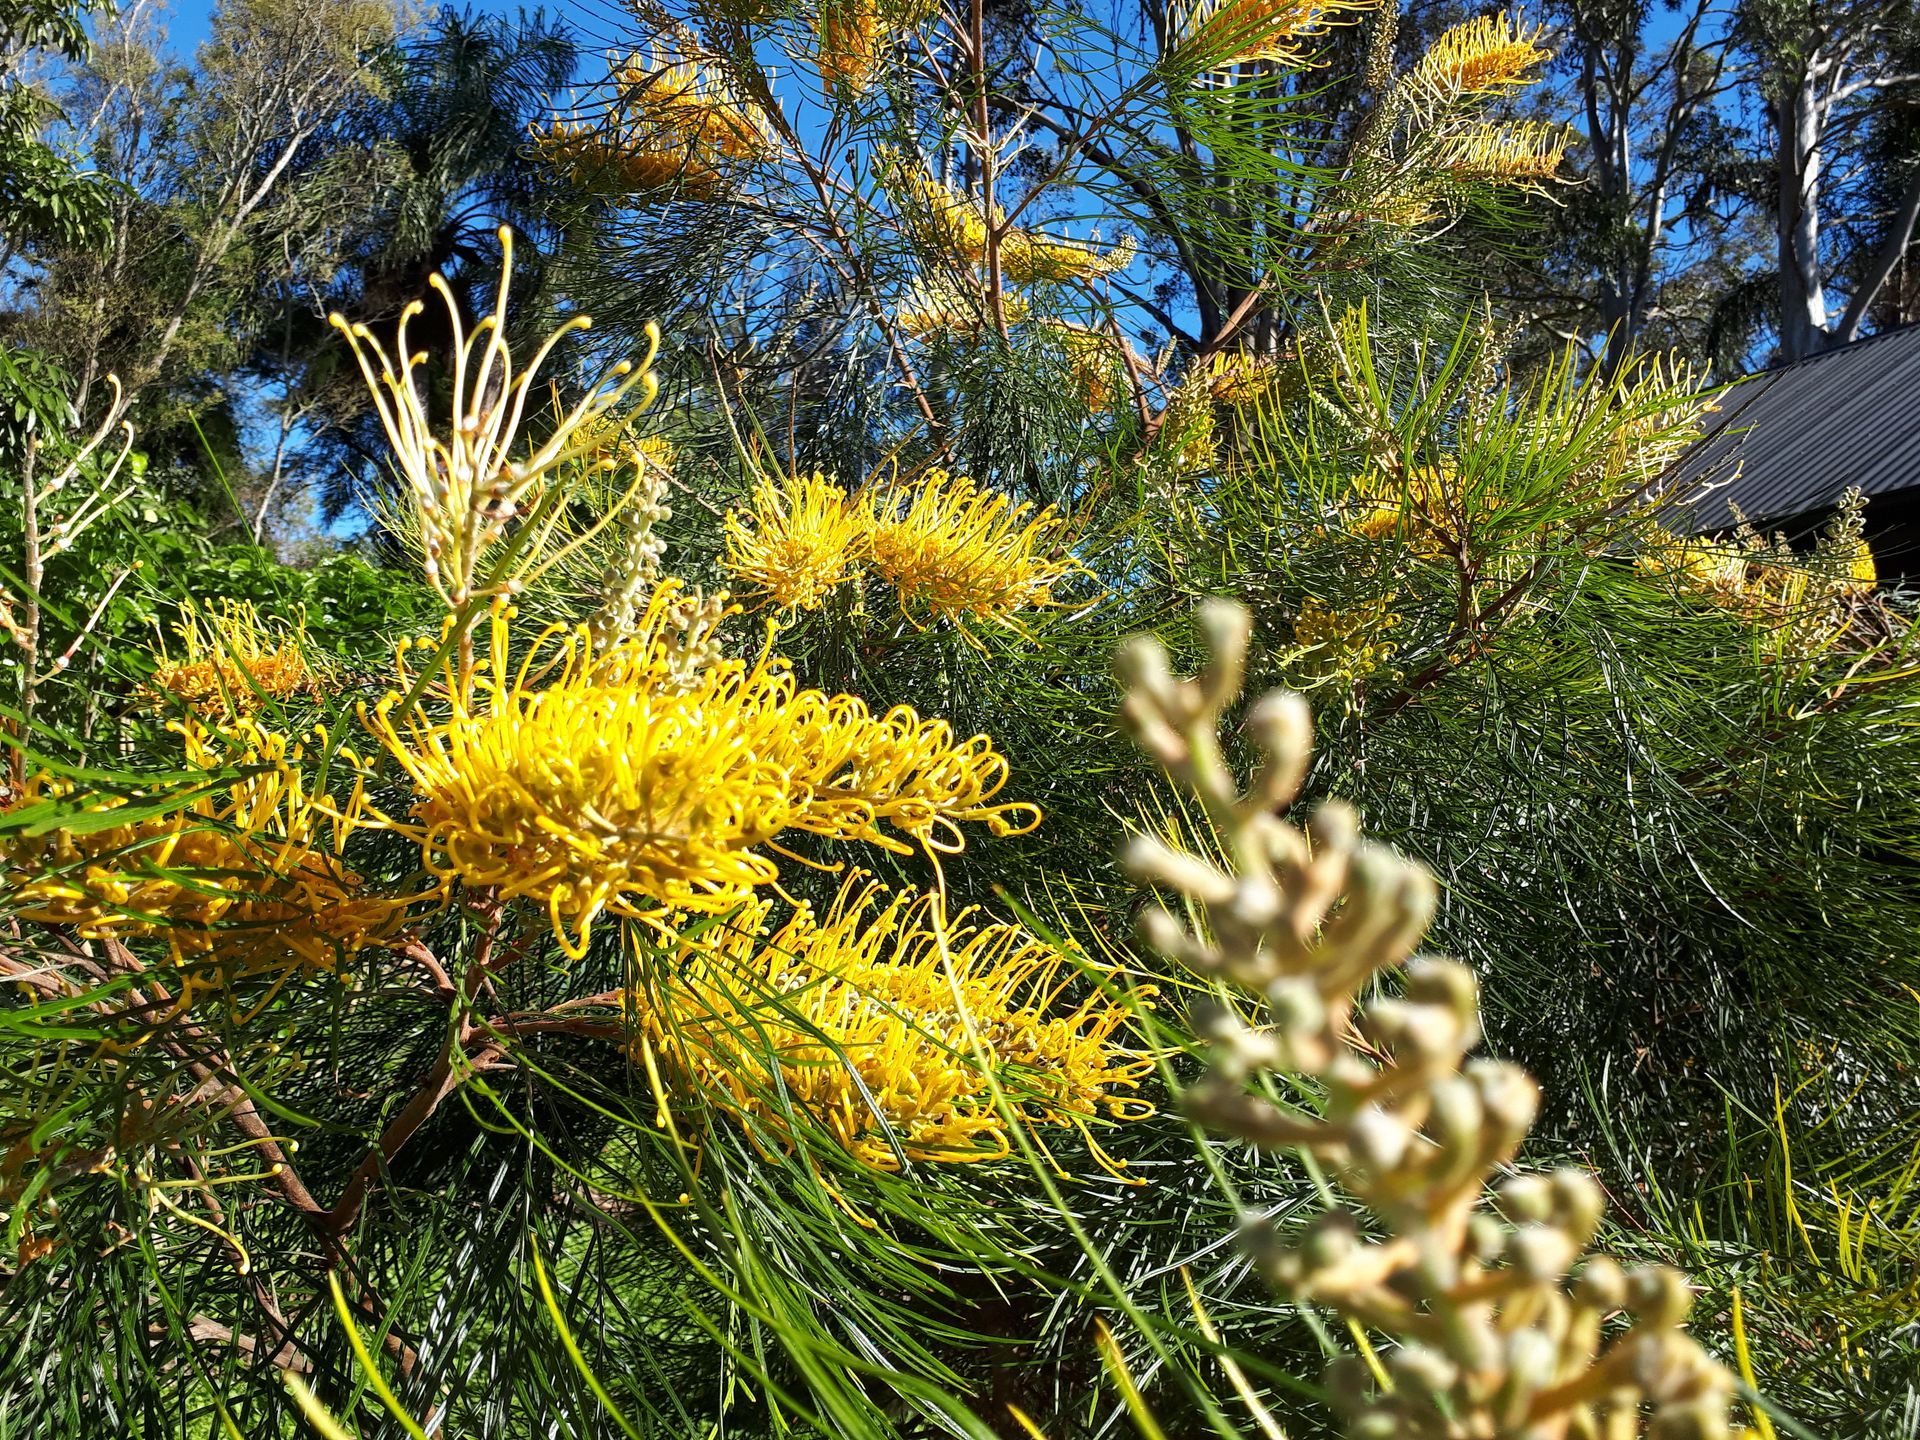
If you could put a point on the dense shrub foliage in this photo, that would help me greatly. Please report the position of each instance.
(627, 878)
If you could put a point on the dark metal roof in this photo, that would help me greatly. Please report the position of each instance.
(1789, 441)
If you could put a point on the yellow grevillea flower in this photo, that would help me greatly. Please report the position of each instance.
(1218, 33)
(1240, 380)
(799, 539)
(1484, 55)
(961, 550)
(852, 1024)
(1426, 507)
(957, 224)
(609, 789)
(855, 36)
(680, 98)
(938, 305)
(247, 873)
(1524, 153)
(1346, 645)
(673, 125)
(232, 661)
(1188, 439)
(1028, 259)
(608, 159)
(1094, 360)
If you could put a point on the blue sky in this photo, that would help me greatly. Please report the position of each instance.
(186, 21)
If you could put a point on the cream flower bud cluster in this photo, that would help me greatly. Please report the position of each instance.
(1503, 1326)
(630, 580)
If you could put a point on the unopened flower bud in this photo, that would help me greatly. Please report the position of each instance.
(1578, 1204)
(1141, 664)
(1379, 1140)
(1602, 1286)
(1226, 626)
(1282, 726)
(1658, 1296)
(1541, 1253)
(1526, 1200)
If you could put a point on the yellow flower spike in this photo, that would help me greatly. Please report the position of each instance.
(855, 36)
(1348, 645)
(244, 877)
(944, 306)
(1525, 153)
(1095, 360)
(799, 539)
(1482, 56)
(956, 224)
(1028, 259)
(631, 783)
(233, 660)
(675, 127)
(693, 103)
(852, 1019)
(963, 551)
(614, 162)
(1215, 34)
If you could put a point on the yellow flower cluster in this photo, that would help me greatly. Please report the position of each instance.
(957, 224)
(617, 162)
(1349, 646)
(1242, 380)
(859, 1024)
(1215, 34)
(1527, 152)
(233, 662)
(942, 542)
(606, 790)
(1426, 508)
(673, 125)
(1188, 439)
(798, 540)
(855, 36)
(961, 550)
(1094, 360)
(1758, 580)
(936, 306)
(1482, 56)
(247, 873)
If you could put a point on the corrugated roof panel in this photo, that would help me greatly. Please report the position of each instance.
(1803, 433)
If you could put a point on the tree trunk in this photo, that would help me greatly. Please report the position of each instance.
(1797, 140)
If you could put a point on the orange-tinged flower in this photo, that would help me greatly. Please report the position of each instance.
(247, 873)
(606, 160)
(855, 36)
(610, 789)
(234, 662)
(856, 1023)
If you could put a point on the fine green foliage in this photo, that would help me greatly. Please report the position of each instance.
(633, 944)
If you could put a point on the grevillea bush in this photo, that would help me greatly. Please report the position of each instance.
(680, 934)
